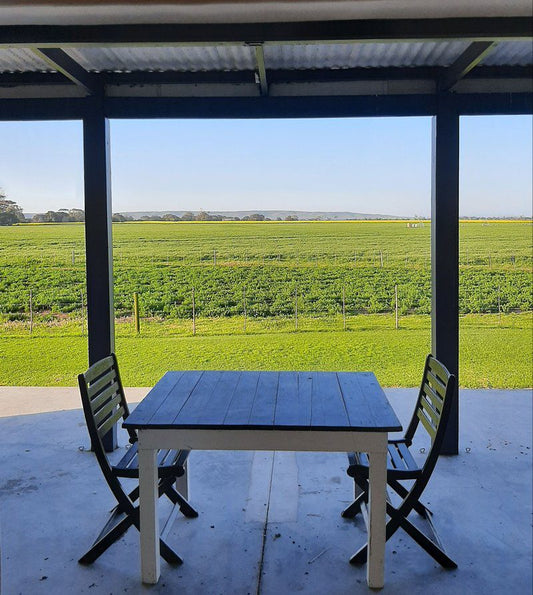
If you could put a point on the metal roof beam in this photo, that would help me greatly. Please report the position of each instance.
(261, 70)
(172, 77)
(63, 63)
(475, 29)
(467, 61)
(266, 107)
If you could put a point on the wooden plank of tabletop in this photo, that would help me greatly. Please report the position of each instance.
(208, 402)
(378, 404)
(328, 408)
(153, 400)
(264, 405)
(175, 400)
(198, 401)
(357, 400)
(293, 406)
(238, 412)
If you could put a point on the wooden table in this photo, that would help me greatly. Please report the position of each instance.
(288, 411)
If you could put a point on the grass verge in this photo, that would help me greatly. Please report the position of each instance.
(494, 352)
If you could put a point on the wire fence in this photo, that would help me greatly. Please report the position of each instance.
(334, 304)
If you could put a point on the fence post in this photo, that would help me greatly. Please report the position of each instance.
(214, 257)
(31, 312)
(136, 313)
(73, 257)
(296, 308)
(82, 314)
(396, 303)
(193, 314)
(244, 306)
(381, 257)
(343, 309)
(499, 305)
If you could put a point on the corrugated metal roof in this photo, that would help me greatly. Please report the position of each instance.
(365, 55)
(184, 59)
(21, 60)
(511, 53)
(287, 56)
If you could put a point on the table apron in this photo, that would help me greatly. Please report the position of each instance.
(282, 440)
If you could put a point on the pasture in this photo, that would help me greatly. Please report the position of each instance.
(319, 295)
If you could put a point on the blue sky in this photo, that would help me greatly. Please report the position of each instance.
(379, 165)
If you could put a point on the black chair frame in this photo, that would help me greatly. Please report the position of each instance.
(104, 405)
(431, 413)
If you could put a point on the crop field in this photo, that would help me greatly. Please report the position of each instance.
(318, 295)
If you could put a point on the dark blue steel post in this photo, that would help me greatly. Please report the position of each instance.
(98, 241)
(445, 252)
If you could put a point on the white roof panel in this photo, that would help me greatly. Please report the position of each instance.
(21, 60)
(183, 59)
(362, 55)
(511, 53)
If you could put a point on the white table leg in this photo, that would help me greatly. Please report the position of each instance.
(377, 517)
(149, 519)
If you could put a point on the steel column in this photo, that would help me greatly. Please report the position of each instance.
(98, 242)
(445, 252)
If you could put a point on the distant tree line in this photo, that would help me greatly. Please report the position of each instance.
(201, 216)
(11, 213)
(61, 216)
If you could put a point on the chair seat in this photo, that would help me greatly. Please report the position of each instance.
(400, 462)
(169, 463)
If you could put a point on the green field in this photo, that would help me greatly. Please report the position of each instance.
(270, 272)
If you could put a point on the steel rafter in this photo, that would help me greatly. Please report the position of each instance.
(467, 61)
(59, 60)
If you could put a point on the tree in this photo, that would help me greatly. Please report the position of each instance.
(10, 212)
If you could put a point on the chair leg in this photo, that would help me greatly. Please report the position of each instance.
(168, 554)
(393, 523)
(397, 520)
(361, 497)
(176, 498)
(355, 507)
(106, 538)
(422, 510)
(436, 552)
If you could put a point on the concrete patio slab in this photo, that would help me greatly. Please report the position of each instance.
(269, 522)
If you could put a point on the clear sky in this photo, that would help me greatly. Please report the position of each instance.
(379, 165)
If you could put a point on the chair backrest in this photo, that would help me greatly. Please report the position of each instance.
(104, 405)
(102, 396)
(432, 408)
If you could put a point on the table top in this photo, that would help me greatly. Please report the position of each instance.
(341, 401)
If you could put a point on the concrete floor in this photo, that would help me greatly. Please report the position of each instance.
(269, 523)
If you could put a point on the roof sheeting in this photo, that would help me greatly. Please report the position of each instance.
(511, 53)
(286, 57)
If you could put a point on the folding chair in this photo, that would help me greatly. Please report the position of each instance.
(430, 415)
(104, 405)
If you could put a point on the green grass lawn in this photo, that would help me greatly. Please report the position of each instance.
(269, 269)
(494, 353)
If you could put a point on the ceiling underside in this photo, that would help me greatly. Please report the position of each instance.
(301, 58)
(99, 12)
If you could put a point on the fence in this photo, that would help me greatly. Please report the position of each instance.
(333, 304)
